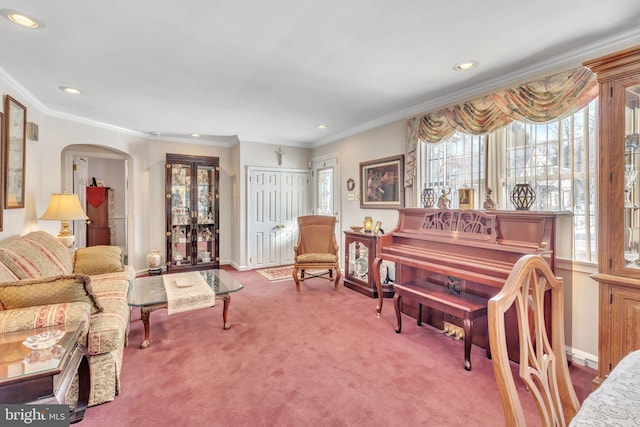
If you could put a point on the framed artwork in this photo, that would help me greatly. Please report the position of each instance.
(376, 228)
(1, 186)
(381, 183)
(466, 198)
(15, 136)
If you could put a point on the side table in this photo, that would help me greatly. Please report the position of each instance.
(360, 251)
(44, 376)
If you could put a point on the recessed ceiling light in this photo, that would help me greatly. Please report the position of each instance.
(70, 90)
(465, 65)
(322, 126)
(20, 18)
(195, 135)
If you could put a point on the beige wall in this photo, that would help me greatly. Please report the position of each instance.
(44, 175)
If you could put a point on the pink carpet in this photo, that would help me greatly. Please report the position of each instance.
(314, 358)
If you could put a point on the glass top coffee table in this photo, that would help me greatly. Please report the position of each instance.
(149, 294)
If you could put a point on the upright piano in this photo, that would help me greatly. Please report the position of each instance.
(465, 251)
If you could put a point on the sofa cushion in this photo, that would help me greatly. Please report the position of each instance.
(108, 329)
(99, 259)
(6, 275)
(48, 290)
(37, 254)
(40, 316)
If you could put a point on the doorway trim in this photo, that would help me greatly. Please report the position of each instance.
(89, 151)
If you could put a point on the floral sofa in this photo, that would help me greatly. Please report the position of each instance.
(43, 284)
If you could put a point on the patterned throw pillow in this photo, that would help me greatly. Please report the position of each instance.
(37, 254)
(99, 260)
(48, 290)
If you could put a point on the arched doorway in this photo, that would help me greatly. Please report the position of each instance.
(83, 163)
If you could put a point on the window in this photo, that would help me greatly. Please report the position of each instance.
(325, 191)
(557, 158)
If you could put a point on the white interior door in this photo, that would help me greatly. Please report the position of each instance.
(293, 203)
(276, 199)
(264, 186)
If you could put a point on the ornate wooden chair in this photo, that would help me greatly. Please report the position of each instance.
(543, 362)
(316, 249)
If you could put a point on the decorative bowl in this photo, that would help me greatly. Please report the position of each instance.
(43, 340)
(356, 227)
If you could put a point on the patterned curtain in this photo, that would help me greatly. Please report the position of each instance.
(411, 151)
(538, 101)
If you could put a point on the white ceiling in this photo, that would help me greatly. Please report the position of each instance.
(271, 71)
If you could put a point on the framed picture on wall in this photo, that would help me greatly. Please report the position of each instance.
(381, 183)
(1, 160)
(466, 198)
(15, 136)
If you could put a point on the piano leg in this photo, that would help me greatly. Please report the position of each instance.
(468, 339)
(397, 303)
(376, 276)
(419, 318)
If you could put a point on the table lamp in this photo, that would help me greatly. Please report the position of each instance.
(64, 207)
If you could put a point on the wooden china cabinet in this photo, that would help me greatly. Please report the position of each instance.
(618, 207)
(192, 200)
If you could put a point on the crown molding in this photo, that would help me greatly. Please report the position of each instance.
(551, 65)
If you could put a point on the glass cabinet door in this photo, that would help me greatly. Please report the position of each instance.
(181, 213)
(205, 211)
(632, 166)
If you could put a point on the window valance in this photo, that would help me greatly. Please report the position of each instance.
(537, 101)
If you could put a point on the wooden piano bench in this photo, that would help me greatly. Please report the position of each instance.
(466, 306)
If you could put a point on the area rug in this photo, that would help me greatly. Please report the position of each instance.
(283, 272)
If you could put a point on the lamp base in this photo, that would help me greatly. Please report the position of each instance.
(67, 240)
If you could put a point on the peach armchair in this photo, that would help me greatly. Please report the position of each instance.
(316, 249)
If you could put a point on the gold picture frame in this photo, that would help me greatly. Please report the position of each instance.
(1, 160)
(466, 198)
(15, 136)
(376, 228)
(381, 183)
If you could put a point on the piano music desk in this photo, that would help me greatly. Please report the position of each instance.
(466, 306)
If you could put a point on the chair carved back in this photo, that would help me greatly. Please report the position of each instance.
(543, 363)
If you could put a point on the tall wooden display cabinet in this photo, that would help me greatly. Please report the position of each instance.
(618, 207)
(192, 200)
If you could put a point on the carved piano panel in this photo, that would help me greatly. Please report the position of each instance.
(474, 250)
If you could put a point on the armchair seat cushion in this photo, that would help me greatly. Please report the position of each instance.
(316, 258)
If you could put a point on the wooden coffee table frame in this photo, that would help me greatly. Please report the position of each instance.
(145, 312)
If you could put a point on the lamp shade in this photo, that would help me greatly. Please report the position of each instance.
(64, 207)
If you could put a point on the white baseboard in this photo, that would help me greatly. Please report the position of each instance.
(581, 358)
